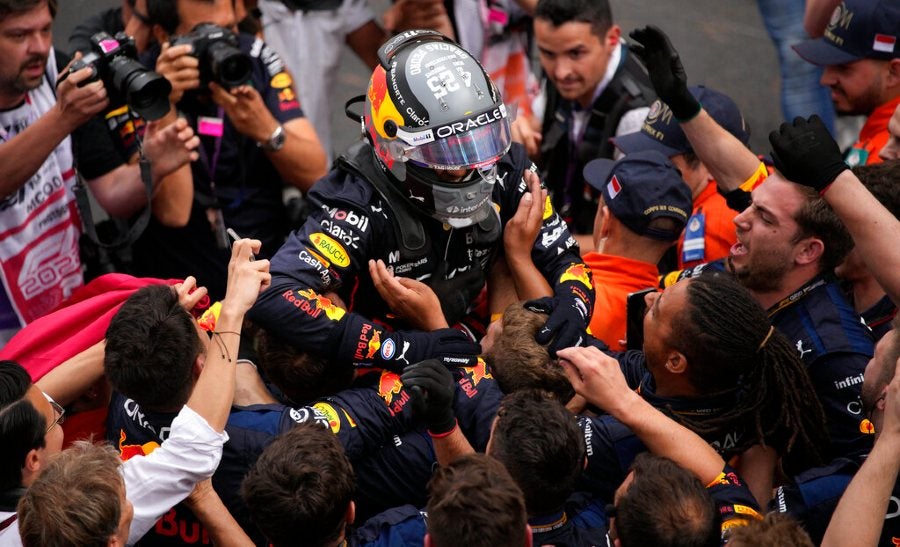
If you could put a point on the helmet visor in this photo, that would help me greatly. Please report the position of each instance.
(468, 144)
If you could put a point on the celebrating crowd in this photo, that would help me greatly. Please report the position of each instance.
(550, 296)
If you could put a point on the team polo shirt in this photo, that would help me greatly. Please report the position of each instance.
(873, 137)
(715, 218)
(614, 278)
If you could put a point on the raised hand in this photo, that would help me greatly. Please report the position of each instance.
(805, 153)
(666, 71)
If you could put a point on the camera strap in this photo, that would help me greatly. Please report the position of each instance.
(127, 237)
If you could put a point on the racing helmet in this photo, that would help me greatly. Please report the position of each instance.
(430, 109)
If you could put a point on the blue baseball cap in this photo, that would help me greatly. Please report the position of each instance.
(858, 29)
(641, 187)
(662, 132)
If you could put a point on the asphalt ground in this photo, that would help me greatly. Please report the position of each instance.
(723, 45)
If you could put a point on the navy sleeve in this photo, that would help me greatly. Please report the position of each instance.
(837, 379)
(611, 448)
(273, 82)
(736, 503)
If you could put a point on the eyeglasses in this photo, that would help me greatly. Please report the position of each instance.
(610, 511)
(60, 413)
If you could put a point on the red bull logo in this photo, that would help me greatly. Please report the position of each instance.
(472, 376)
(390, 388)
(383, 108)
(363, 343)
(577, 272)
(374, 344)
(322, 304)
(128, 451)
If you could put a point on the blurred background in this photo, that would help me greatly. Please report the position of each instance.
(723, 44)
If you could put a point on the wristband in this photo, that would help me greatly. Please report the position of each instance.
(446, 433)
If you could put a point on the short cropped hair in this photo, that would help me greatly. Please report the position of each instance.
(474, 502)
(151, 346)
(300, 487)
(816, 219)
(542, 447)
(775, 530)
(517, 361)
(596, 13)
(302, 376)
(22, 427)
(881, 179)
(15, 7)
(75, 500)
(666, 505)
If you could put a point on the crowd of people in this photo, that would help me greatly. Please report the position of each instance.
(561, 304)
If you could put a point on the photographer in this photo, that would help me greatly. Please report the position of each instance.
(253, 135)
(38, 216)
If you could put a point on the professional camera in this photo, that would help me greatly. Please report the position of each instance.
(114, 61)
(221, 60)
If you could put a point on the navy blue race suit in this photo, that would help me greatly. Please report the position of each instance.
(352, 222)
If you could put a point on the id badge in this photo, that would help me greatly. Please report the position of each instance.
(857, 156)
(694, 242)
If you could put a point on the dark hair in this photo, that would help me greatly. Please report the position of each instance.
(300, 487)
(22, 427)
(815, 218)
(75, 500)
(729, 344)
(302, 376)
(775, 530)
(474, 502)
(596, 13)
(517, 361)
(542, 447)
(151, 346)
(881, 179)
(666, 506)
(14, 7)
(164, 13)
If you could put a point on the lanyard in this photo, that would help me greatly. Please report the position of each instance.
(795, 296)
(210, 166)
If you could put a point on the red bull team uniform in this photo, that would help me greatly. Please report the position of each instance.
(351, 223)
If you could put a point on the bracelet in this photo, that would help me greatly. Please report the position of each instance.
(217, 336)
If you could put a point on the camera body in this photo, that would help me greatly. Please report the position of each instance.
(114, 60)
(218, 51)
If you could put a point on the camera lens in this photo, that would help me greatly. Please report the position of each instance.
(145, 91)
(229, 66)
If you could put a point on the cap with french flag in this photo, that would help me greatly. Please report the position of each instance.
(641, 187)
(858, 29)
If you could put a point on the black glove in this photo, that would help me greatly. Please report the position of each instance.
(432, 387)
(666, 71)
(568, 321)
(805, 153)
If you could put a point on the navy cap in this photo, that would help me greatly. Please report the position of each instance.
(662, 132)
(641, 187)
(858, 29)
